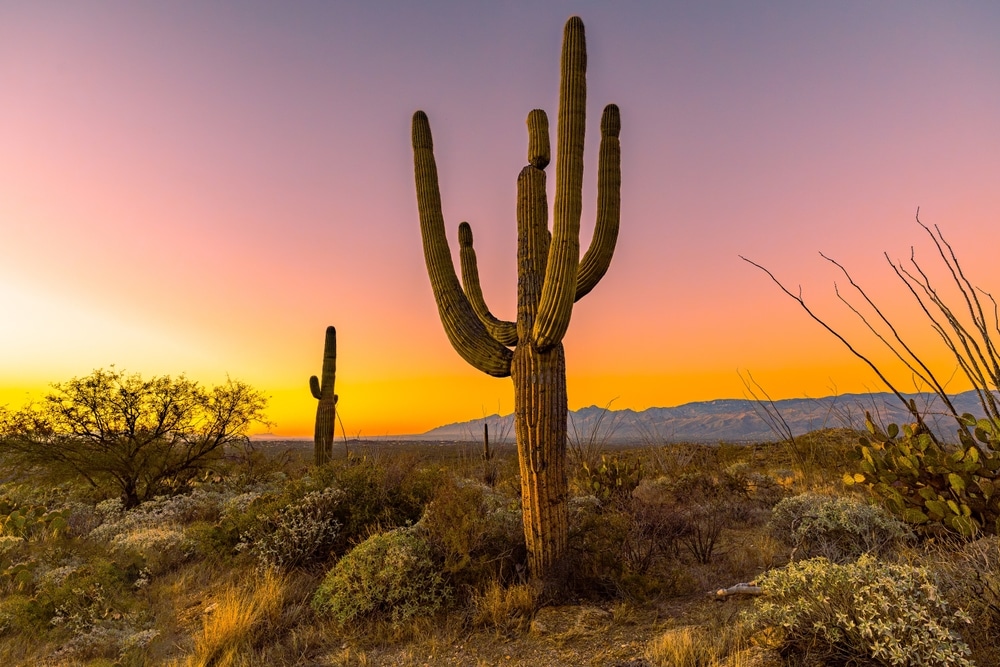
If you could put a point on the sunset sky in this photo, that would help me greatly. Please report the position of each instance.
(202, 188)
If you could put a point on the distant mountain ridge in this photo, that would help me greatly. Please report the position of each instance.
(730, 420)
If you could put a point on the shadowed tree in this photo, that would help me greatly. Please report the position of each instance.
(140, 437)
(551, 277)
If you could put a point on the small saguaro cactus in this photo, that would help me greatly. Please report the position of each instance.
(551, 277)
(322, 390)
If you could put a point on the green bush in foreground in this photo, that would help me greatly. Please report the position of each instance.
(390, 576)
(867, 610)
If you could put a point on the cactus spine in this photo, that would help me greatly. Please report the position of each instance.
(322, 390)
(551, 277)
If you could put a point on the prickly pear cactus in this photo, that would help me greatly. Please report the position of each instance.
(31, 521)
(926, 483)
(614, 478)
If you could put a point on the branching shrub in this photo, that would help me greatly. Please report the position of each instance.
(839, 529)
(475, 532)
(708, 505)
(389, 576)
(866, 610)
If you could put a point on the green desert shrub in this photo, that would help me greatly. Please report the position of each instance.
(837, 528)
(175, 510)
(863, 612)
(475, 532)
(624, 549)
(297, 535)
(380, 492)
(390, 576)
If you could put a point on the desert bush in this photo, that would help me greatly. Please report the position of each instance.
(161, 511)
(88, 609)
(708, 504)
(19, 612)
(654, 526)
(306, 520)
(121, 433)
(837, 528)
(867, 610)
(380, 491)
(301, 534)
(154, 531)
(161, 549)
(969, 577)
(475, 532)
(622, 550)
(389, 576)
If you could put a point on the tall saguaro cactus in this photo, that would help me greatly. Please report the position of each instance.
(551, 278)
(322, 390)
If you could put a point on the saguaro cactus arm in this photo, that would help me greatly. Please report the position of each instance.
(465, 331)
(595, 262)
(505, 333)
(559, 289)
(324, 387)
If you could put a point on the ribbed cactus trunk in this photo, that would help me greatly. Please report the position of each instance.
(551, 277)
(326, 410)
(540, 410)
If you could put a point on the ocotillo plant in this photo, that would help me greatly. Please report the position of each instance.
(551, 277)
(326, 411)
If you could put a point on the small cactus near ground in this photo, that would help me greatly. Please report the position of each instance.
(322, 390)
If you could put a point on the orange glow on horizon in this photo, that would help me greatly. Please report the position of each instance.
(193, 189)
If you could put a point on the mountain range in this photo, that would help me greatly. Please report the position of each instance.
(729, 420)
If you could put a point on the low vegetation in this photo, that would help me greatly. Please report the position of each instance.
(401, 554)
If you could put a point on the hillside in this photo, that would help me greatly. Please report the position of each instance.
(734, 420)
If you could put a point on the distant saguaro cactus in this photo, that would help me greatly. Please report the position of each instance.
(551, 277)
(326, 411)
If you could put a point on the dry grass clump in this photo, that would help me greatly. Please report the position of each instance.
(267, 621)
(506, 609)
(696, 646)
(242, 619)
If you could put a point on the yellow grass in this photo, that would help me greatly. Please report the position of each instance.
(696, 646)
(242, 618)
(506, 609)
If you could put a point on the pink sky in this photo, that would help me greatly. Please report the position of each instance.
(203, 189)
